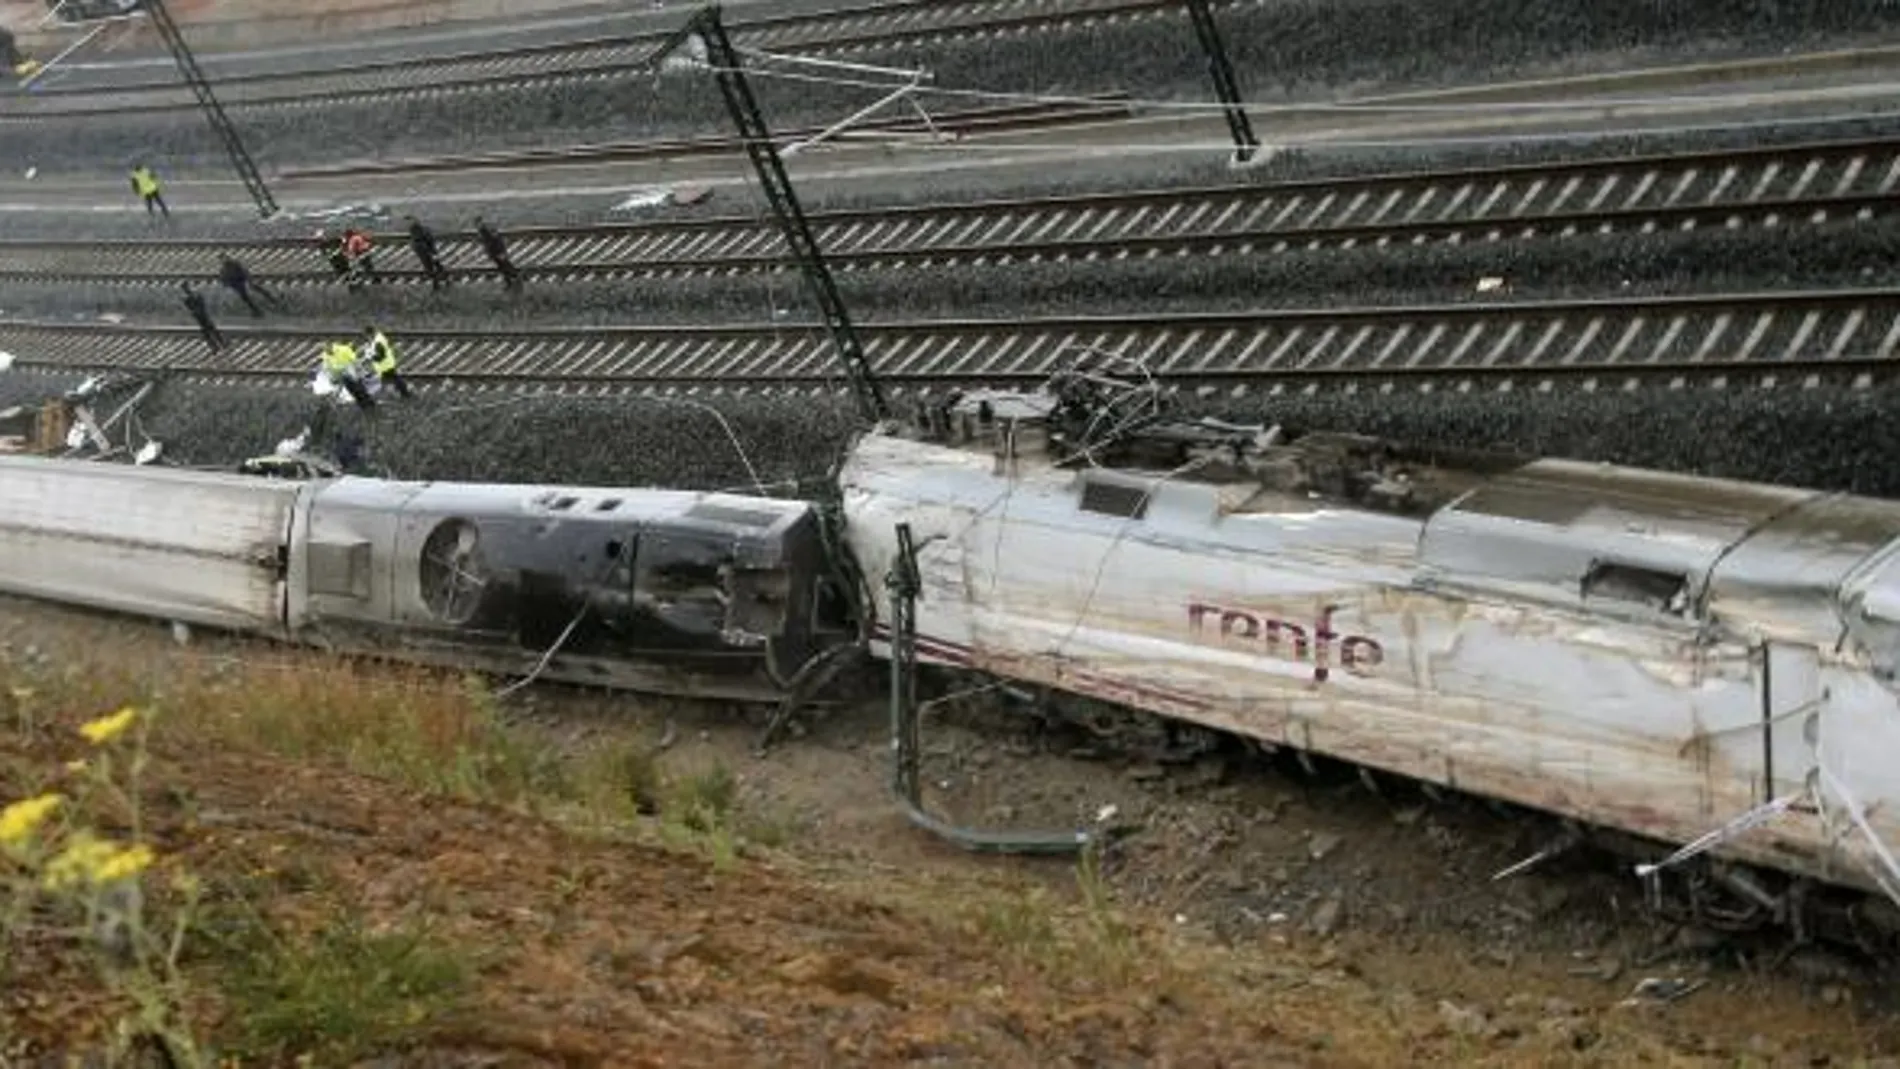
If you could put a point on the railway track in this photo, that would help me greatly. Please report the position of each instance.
(1732, 340)
(962, 121)
(839, 32)
(1855, 180)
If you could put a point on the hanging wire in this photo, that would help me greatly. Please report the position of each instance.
(1762, 98)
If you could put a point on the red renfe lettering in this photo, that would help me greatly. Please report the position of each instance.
(1286, 640)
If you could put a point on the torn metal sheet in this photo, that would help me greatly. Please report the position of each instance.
(1631, 649)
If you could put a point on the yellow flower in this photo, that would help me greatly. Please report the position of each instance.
(126, 863)
(20, 820)
(107, 728)
(77, 863)
(87, 860)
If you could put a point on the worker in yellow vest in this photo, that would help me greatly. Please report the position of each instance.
(340, 365)
(382, 360)
(145, 184)
(22, 65)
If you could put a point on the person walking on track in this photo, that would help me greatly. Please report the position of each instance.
(340, 365)
(357, 248)
(145, 184)
(237, 278)
(497, 251)
(195, 304)
(382, 360)
(422, 241)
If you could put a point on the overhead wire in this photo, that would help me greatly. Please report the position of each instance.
(1758, 97)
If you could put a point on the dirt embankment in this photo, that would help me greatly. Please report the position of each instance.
(395, 867)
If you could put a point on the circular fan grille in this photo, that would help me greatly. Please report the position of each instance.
(452, 573)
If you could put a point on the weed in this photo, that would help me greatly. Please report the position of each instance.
(1110, 943)
(1023, 924)
(340, 993)
(56, 863)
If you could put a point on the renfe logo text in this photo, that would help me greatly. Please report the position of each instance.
(1286, 640)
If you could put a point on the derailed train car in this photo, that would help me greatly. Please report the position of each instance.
(655, 590)
(1665, 655)
(1658, 654)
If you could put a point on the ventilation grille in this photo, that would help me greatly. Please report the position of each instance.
(453, 574)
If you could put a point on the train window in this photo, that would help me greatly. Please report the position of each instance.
(608, 505)
(561, 504)
(1664, 592)
(1114, 499)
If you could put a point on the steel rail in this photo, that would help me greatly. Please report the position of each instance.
(809, 34)
(1857, 179)
(1861, 208)
(1769, 339)
(992, 118)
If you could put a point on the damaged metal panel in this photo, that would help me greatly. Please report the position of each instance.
(198, 547)
(676, 589)
(1569, 532)
(1782, 582)
(1301, 622)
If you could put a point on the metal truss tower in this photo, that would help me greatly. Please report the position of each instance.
(188, 67)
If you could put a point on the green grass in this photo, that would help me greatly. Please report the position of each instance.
(341, 993)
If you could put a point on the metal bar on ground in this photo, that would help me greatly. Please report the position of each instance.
(905, 586)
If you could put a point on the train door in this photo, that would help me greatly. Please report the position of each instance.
(1793, 693)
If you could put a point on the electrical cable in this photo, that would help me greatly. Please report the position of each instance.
(1759, 98)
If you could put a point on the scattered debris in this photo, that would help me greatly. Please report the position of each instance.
(644, 197)
(1654, 990)
(1323, 843)
(1462, 1019)
(1325, 919)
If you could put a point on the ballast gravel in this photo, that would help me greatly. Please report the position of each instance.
(1283, 51)
(1824, 438)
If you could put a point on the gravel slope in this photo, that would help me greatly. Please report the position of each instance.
(1283, 51)
(1824, 438)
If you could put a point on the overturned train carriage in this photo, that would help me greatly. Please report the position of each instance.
(1656, 653)
(660, 591)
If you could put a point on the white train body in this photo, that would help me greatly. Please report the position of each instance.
(1655, 653)
(1652, 653)
(683, 592)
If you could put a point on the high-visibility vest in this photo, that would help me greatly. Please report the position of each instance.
(339, 359)
(382, 355)
(143, 181)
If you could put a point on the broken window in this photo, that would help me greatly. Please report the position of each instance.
(1658, 591)
(1114, 499)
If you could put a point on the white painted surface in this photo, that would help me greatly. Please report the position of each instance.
(1655, 725)
(190, 546)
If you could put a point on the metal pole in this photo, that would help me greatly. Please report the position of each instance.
(757, 138)
(188, 67)
(1225, 85)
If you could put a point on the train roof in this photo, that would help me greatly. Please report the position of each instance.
(1771, 561)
